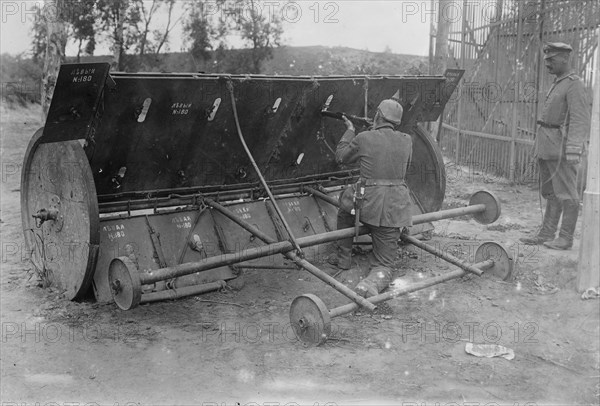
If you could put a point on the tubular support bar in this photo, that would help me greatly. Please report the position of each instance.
(443, 255)
(338, 311)
(173, 294)
(343, 289)
(473, 209)
(323, 196)
(285, 246)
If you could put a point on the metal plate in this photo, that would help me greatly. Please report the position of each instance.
(503, 263)
(130, 236)
(58, 176)
(236, 239)
(492, 206)
(124, 280)
(75, 102)
(310, 319)
(182, 143)
(305, 218)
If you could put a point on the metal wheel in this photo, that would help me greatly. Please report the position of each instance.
(492, 206)
(310, 320)
(503, 263)
(427, 176)
(59, 214)
(124, 282)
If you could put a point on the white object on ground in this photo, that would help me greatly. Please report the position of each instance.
(591, 293)
(489, 351)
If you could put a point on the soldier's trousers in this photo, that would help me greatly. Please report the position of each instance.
(558, 180)
(384, 240)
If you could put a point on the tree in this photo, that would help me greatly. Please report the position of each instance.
(120, 19)
(40, 36)
(161, 37)
(199, 32)
(82, 19)
(56, 29)
(146, 15)
(263, 32)
(259, 27)
(78, 17)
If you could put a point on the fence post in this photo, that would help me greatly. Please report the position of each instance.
(462, 62)
(588, 275)
(517, 94)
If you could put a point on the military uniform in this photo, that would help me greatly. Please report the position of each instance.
(383, 155)
(563, 130)
(563, 127)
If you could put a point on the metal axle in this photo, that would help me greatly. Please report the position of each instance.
(311, 320)
(348, 308)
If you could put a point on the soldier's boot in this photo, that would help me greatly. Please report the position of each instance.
(567, 228)
(379, 278)
(342, 258)
(549, 225)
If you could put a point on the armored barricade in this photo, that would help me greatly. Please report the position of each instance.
(142, 187)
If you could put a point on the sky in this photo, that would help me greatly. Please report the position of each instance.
(401, 26)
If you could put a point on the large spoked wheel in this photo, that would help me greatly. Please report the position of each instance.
(59, 214)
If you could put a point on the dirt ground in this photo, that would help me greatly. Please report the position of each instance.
(237, 346)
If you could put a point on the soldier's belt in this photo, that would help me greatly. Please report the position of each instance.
(385, 182)
(546, 125)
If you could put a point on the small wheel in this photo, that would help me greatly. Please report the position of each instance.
(310, 319)
(124, 282)
(503, 263)
(492, 207)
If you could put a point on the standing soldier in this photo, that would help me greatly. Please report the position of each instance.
(381, 198)
(560, 141)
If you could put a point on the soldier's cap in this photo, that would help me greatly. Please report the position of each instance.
(554, 48)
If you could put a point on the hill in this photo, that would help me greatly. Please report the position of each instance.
(313, 60)
(22, 76)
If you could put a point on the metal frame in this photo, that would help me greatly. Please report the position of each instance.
(123, 292)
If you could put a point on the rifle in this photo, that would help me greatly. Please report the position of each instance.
(362, 121)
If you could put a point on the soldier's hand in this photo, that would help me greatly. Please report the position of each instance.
(572, 159)
(348, 123)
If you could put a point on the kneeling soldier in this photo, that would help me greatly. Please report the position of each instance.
(381, 198)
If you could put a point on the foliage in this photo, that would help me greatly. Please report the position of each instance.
(139, 39)
(82, 18)
(149, 39)
(21, 78)
(40, 34)
(130, 26)
(22, 75)
(120, 20)
(260, 30)
(200, 32)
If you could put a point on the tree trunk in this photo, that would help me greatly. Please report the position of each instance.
(118, 37)
(79, 50)
(168, 28)
(441, 39)
(55, 55)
